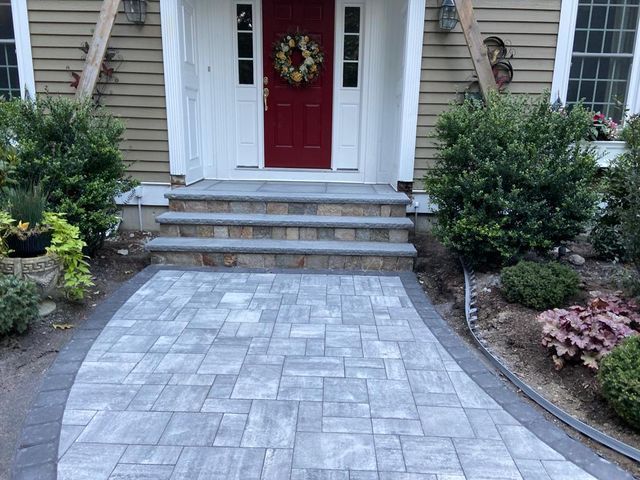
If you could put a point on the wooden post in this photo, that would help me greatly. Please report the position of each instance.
(97, 49)
(477, 48)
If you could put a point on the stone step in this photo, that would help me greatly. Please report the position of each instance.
(283, 253)
(289, 203)
(284, 227)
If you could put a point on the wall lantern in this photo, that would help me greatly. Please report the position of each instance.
(136, 11)
(448, 15)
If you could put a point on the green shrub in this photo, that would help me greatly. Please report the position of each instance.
(71, 149)
(511, 176)
(619, 379)
(616, 234)
(18, 304)
(539, 285)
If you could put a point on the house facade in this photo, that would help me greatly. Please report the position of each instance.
(201, 99)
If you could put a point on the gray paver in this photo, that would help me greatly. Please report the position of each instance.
(334, 451)
(271, 424)
(219, 463)
(135, 428)
(191, 429)
(274, 376)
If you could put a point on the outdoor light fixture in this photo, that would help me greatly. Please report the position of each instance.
(136, 11)
(448, 15)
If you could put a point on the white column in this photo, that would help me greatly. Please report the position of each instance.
(171, 56)
(411, 88)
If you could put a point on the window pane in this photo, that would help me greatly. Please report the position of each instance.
(352, 20)
(603, 27)
(6, 24)
(245, 45)
(351, 47)
(350, 75)
(245, 17)
(245, 72)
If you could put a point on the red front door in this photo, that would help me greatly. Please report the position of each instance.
(297, 122)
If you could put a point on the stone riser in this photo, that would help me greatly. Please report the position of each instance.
(322, 209)
(255, 260)
(286, 233)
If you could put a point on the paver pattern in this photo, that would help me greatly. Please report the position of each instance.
(225, 375)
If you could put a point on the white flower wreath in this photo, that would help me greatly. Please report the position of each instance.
(308, 70)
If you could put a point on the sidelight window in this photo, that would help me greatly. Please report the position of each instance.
(351, 49)
(245, 33)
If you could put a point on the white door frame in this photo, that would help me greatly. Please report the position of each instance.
(404, 102)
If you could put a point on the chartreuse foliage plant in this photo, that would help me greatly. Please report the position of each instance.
(512, 175)
(67, 246)
(588, 334)
(72, 150)
(619, 379)
(18, 304)
(539, 285)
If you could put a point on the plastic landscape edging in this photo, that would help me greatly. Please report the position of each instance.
(471, 315)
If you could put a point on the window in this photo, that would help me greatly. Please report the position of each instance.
(244, 32)
(9, 79)
(602, 56)
(351, 53)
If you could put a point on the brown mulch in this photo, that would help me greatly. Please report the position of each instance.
(25, 358)
(512, 333)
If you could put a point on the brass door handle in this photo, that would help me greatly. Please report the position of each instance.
(265, 98)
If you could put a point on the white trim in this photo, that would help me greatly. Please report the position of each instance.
(410, 89)
(633, 96)
(20, 16)
(564, 50)
(170, 16)
(149, 193)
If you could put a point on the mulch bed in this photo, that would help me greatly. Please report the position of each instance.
(25, 358)
(513, 334)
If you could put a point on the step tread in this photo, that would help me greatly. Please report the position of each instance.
(396, 198)
(313, 221)
(308, 247)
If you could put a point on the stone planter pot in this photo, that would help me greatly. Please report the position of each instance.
(44, 271)
(608, 151)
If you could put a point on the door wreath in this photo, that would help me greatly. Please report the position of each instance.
(313, 57)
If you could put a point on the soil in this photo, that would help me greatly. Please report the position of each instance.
(513, 334)
(25, 358)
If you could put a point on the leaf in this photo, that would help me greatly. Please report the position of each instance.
(62, 326)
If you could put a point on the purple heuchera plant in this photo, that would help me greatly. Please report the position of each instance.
(589, 333)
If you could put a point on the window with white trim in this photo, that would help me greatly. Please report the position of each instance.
(602, 57)
(9, 78)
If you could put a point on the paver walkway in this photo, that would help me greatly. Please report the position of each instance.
(212, 375)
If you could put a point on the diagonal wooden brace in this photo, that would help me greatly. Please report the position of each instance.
(97, 49)
(477, 48)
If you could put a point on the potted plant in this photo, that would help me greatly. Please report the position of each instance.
(30, 237)
(40, 245)
(604, 137)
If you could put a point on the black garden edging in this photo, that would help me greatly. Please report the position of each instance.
(471, 314)
(37, 450)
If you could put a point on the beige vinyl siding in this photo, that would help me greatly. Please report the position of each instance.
(529, 28)
(60, 27)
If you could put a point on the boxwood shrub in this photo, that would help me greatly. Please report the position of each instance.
(72, 150)
(18, 304)
(619, 379)
(512, 175)
(539, 285)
